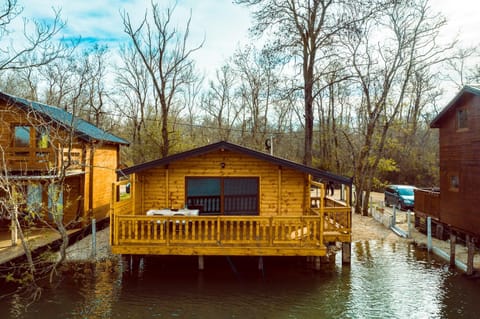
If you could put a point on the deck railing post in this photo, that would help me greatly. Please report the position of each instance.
(167, 230)
(271, 232)
(218, 230)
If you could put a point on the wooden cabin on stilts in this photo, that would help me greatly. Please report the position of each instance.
(453, 208)
(225, 199)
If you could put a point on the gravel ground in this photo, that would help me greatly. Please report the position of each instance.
(82, 249)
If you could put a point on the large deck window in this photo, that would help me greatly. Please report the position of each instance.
(223, 195)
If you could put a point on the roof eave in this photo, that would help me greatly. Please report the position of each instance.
(466, 89)
(233, 147)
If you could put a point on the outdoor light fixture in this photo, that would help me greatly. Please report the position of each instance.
(222, 164)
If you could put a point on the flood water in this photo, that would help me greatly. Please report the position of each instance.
(385, 280)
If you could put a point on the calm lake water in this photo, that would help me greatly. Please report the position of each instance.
(385, 280)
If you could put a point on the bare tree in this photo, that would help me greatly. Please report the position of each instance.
(132, 100)
(304, 29)
(258, 86)
(37, 46)
(384, 73)
(166, 56)
(218, 102)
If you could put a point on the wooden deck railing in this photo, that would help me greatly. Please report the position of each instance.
(27, 158)
(249, 235)
(41, 159)
(427, 202)
(218, 230)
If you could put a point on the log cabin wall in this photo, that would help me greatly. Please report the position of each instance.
(76, 198)
(460, 158)
(104, 172)
(281, 190)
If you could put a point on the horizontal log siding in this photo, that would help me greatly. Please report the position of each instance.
(460, 155)
(104, 172)
(10, 116)
(293, 188)
(158, 195)
(152, 190)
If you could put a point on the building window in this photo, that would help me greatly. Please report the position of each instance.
(454, 182)
(22, 136)
(42, 137)
(223, 195)
(462, 119)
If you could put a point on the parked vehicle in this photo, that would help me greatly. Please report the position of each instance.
(401, 196)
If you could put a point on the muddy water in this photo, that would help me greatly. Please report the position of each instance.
(385, 280)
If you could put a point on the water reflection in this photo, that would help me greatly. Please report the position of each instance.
(385, 280)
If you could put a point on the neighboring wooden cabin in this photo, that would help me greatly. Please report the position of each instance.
(41, 142)
(456, 205)
(244, 202)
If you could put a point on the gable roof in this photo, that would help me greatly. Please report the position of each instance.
(83, 129)
(466, 91)
(316, 173)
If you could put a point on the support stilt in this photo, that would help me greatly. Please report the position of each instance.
(260, 263)
(201, 264)
(453, 244)
(317, 263)
(346, 253)
(470, 253)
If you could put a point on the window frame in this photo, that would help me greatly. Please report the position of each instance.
(453, 182)
(222, 195)
(461, 119)
(38, 137)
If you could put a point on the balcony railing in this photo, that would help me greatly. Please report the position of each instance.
(41, 159)
(27, 158)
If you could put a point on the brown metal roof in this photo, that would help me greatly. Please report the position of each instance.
(316, 173)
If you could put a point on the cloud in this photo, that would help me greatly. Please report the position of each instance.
(220, 24)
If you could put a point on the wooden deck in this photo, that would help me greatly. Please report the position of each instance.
(231, 235)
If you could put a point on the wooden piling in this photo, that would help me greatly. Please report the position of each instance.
(453, 243)
(346, 253)
(317, 263)
(260, 263)
(470, 253)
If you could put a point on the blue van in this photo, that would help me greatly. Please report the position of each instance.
(401, 196)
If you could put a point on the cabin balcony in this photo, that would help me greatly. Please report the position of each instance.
(47, 160)
(230, 235)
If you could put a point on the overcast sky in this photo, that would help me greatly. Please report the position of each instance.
(222, 24)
